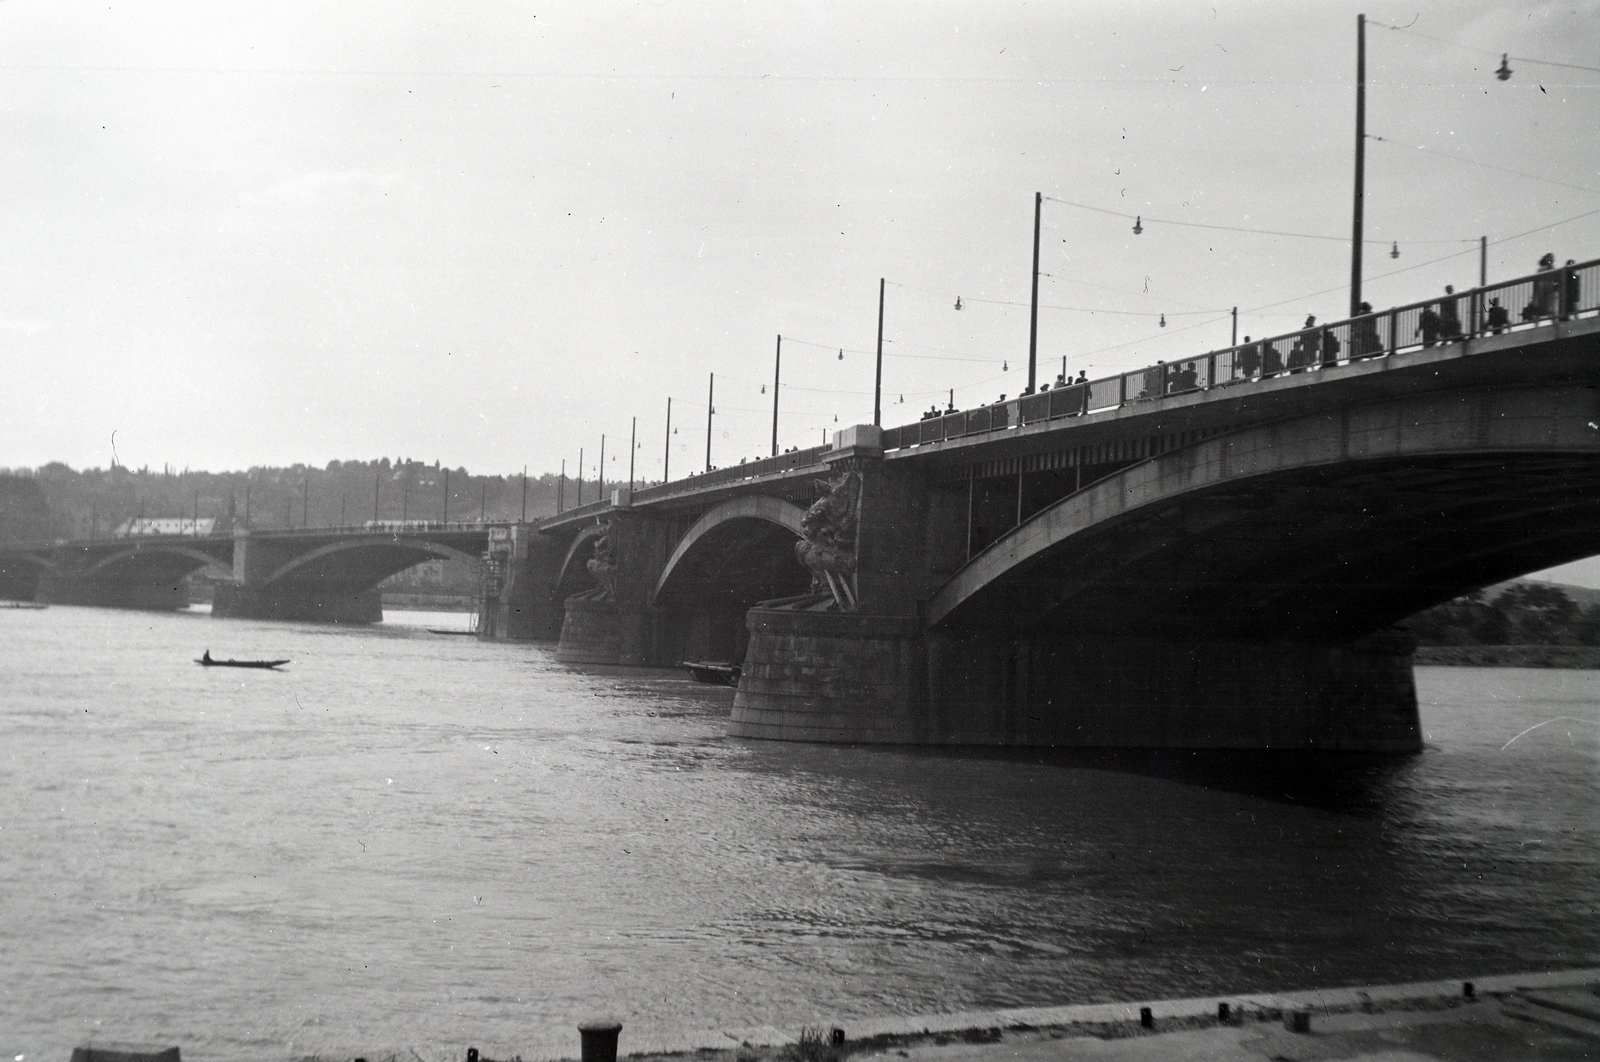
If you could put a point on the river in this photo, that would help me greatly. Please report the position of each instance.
(410, 842)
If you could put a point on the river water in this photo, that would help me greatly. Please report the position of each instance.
(411, 842)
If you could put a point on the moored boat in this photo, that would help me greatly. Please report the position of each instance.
(715, 672)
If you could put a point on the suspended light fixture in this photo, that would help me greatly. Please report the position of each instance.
(1138, 226)
(836, 418)
(841, 353)
(1394, 250)
(1163, 320)
(1005, 366)
(763, 388)
(902, 399)
(958, 302)
(1504, 73)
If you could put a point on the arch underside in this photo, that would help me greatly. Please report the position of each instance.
(155, 564)
(575, 577)
(353, 567)
(1333, 551)
(734, 564)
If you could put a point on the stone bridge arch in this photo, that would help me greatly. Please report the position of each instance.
(736, 553)
(1325, 526)
(155, 559)
(360, 562)
(574, 574)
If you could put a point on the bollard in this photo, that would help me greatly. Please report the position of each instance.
(836, 1036)
(1468, 989)
(1224, 1013)
(1297, 1021)
(1146, 1019)
(600, 1039)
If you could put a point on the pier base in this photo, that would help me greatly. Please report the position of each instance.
(591, 632)
(287, 603)
(836, 677)
(71, 589)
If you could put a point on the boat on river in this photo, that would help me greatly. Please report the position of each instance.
(715, 672)
(206, 661)
(24, 604)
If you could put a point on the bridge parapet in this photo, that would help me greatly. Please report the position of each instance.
(1543, 300)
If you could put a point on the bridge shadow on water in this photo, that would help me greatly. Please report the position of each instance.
(1359, 783)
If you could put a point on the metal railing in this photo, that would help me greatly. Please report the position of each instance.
(766, 466)
(1524, 303)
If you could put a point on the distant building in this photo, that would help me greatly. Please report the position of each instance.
(160, 525)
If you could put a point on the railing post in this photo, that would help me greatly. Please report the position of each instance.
(1394, 326)
(1122, 390)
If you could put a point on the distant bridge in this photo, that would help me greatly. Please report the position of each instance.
(326, 574)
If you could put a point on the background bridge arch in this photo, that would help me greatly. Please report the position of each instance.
(1327, 525)
(574, 574)
(361, 562)
(155, 559)
(739, 552)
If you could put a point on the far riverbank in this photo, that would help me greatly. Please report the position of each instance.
(1579, 657)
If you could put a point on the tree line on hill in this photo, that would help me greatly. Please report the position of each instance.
(1519, 613)
(55, 501)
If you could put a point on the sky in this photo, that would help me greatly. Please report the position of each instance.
(489, 233)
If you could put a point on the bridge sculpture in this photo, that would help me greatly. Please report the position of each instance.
(1210, 553)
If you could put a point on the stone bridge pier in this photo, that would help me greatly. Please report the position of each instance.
(261, 590)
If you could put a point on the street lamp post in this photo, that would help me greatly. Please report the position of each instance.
(1033, 309)
(777, 363)
(877, 382)
(1361, 165)
(711, 408)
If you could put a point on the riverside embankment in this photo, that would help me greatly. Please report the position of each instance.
(1545, 1015)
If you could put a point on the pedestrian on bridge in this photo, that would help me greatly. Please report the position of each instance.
(1249, 363)
(1364, 334)
(1544, 291)
(1429, 328)
(1498, 318)
(1450, 316)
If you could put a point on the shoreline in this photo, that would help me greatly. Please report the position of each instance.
(987, 1030)
(1576, 657)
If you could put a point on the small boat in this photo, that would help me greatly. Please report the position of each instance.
(206, 661)
(715, 672)
(448, 630)
(24, 604)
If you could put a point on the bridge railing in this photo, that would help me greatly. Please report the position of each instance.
(1523, 303)
(766, 466)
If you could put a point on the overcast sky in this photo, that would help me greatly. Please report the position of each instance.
(487, 233)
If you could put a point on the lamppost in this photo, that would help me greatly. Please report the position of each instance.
(1361, 165)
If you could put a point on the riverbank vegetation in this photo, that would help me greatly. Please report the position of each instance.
(1517, 624)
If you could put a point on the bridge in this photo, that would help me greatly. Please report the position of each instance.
(319, 574)
(1208, 553)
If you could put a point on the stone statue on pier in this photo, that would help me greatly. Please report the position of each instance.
(827, 548)
(603, 565)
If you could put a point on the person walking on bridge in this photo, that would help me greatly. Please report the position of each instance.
(1450, 316)
(1429, 326)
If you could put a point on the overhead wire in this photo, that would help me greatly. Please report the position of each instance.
(1232, 228)
(1408, 31)
(1482, 165)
